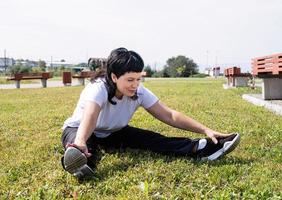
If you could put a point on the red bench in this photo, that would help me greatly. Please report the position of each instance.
(236, 78)
(83, 75)
(268, 66)
(30, 76)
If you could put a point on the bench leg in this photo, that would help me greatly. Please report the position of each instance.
(18, 84)
(271, 88)
(241, 81)
(44, 83)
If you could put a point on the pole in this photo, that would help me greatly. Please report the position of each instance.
(5, 62)
(208, 69)
(207, 58)
(51, 65)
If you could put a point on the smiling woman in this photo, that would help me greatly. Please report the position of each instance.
(127, 84)
(105, 108)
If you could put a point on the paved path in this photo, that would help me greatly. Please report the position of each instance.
(273, 105)
(37, 85)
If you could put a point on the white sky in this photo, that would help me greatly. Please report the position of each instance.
(232, 31)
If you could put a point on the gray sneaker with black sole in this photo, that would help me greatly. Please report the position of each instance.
(75, 162)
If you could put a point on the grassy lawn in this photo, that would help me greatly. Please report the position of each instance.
(56, 78)
(30, 148)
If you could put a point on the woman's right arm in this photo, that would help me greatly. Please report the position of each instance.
(87, 125)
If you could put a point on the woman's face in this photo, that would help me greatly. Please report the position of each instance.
(127, 84)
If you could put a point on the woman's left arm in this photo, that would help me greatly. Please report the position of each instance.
(179, 120)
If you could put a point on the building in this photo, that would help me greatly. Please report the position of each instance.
(57, 64)
(213, 72)
(26, 63)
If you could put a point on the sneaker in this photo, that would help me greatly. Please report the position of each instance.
(214, 151)
(75, 162)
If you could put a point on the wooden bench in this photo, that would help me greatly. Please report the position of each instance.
(83, 75)
(89, 74)
(269, 68)
(235, 78)
(30, 76)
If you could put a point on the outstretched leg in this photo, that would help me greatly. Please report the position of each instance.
(148, 140)
(203, 149)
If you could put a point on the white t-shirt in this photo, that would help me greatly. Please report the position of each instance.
(112, 117)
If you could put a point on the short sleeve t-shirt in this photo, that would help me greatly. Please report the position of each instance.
(111, 117)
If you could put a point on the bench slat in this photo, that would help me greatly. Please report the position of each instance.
(29, 76)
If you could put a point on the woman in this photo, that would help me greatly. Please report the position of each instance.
(107, 104)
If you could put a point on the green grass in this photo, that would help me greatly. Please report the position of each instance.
(56, 78)
(30, 148)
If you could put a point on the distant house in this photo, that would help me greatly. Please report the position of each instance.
(213, 72)
(26, 63)
(57, 64)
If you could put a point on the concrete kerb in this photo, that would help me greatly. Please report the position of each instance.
(39, 85)
(226, 86)
(272, 105)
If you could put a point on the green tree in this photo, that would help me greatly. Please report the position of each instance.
(81, 65)
(149, 71)
(20, 69)
(158, 74)
(166, 72)
(62, 68)
(42, 65)
(180, 66)
(15, 69)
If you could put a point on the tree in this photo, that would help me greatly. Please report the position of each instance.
(180, 66)
(42, 65)
(148, 71)
(19, 68)
(190, 69)
(166, 72)
(81, 65)
(15, 69)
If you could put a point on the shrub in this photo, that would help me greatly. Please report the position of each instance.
(200, 75)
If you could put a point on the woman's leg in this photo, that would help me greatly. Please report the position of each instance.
(149, 140)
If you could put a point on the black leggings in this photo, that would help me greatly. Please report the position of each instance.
(137, 139)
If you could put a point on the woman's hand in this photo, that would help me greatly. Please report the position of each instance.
(214, 135)
(81, 146)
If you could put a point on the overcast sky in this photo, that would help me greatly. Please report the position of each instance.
(225, 32)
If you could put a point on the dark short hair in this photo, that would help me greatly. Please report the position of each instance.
(122, 61)
(119, 62)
